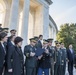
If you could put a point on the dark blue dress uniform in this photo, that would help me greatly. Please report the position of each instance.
(70, 56)
(2, 57)
(44, 64)
(57, 61)
(31, 61)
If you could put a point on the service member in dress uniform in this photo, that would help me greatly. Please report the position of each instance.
(51, 50)
(31, 59)
(15, 59)
(57, 60)
(3, 38)
(37, 46)
(44, 61)
(64, 58)
(10, 50)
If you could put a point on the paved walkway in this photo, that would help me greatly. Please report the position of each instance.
(74, 72)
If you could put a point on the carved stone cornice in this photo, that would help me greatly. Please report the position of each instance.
(49, 2)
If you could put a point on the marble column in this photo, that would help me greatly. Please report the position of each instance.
(42, 21)
(38, 27)
(14, 14)
(45, 22)
(24, 31)
(7, 16)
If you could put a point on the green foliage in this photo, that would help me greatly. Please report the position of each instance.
(67, 34)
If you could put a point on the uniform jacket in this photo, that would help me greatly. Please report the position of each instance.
(30, 61)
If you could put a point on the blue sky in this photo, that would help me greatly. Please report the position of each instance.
(63, 11)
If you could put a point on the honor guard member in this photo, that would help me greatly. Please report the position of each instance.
(51, 50)
(3, 38)
(44, 61)
(31, 59)
(64, 58)
(57, 60)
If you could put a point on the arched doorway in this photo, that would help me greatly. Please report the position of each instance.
(5, 6)
(2, 12)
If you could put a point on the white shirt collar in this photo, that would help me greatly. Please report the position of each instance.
(12, 42)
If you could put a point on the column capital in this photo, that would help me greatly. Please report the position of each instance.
(49, 2)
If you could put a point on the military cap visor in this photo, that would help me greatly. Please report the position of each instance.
(36, 38)
(33, 40)
(5, 28)
(45, 41)
(50, 40)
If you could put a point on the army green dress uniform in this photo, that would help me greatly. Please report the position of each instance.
(57, 61)
(31, 61)
(51, 50)
(64, 57)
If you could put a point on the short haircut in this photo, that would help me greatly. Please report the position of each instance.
(12, 30)
(40, 36)
(2, 35)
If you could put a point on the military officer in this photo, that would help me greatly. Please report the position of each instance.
(31, 59)
(44, 61)
(57, 60)
(64, 57)
(51, 49)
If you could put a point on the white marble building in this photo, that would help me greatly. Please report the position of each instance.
(29, 17)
